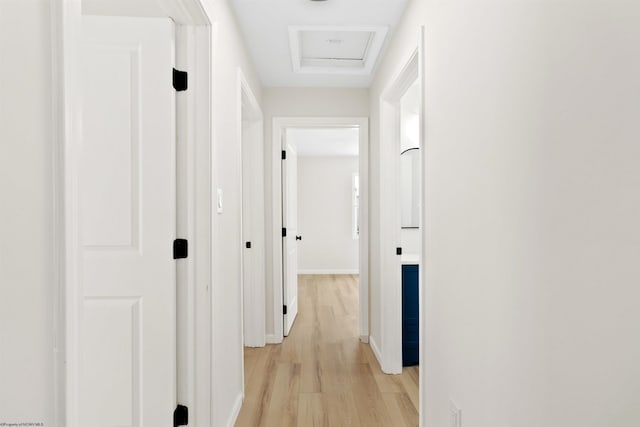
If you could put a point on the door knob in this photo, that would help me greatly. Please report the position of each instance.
(298, 237)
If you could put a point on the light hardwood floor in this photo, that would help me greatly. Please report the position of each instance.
(322, 375)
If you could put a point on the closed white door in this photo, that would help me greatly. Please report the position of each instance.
(127, 210)
(290, 242)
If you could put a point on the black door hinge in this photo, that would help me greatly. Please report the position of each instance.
(284, 155)
(398, 251)
(180, 79)
(284, 309)
(284, 232)
(180, 248)
(247, 245)
(180, 416)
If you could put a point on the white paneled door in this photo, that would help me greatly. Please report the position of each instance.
(127, 211)
(290, 241)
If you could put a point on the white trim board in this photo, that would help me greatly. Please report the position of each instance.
(422, 282)
(280, 124)
(351, 271)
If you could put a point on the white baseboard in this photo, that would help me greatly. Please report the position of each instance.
(376, 350)
(255, 345)
(312, 271)
(272, 339)
(364, 338)
(235, 411)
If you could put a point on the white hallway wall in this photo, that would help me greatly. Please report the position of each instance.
(26, 221)
(532, 236)
(26, 213)
(299, 102)
(325, 215)
(229, 55)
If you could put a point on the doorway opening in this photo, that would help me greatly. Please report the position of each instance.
(320, 208)
(287, 134)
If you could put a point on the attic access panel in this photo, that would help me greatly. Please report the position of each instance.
(335, 50)
(345, 45)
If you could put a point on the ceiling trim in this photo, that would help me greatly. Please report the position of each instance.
(378, 35)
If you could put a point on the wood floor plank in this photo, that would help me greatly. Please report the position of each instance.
(341, 410)
(322, 375)
(401, 409)
(258, 390)
(410, 383)
(370, 405)
(313, 410)
(283, 406)
(408, 409)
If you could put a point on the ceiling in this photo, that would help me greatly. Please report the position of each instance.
(335, 42)
(326, 142)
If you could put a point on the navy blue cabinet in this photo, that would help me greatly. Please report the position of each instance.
(410, 315)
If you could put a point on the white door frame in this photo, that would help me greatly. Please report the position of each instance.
(194, 159)
(422, 282)
(389, 350)
(280, 124)
(251, 135)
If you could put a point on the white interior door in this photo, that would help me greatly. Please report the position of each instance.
(127, 211)
(290, 244)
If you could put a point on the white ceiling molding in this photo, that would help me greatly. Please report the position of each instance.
(317, 49)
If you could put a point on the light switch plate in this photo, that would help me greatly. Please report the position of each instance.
(219, 201)
(455, 415)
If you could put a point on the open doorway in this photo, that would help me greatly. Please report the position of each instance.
(401, 233)
(285, 266)
(410, 202)
(320, 204)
